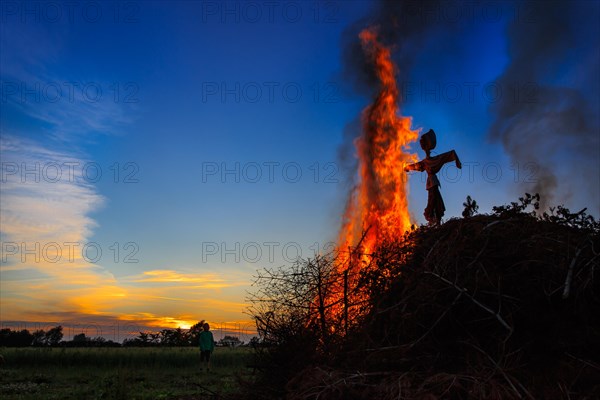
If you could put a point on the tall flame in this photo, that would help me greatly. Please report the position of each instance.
(377, 209)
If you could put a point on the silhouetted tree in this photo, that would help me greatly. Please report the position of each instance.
(471, 207)
(50, 338)
(10, 338)
(167, 337)
(39, 338)
(80, 338)
(54, 336)
(194, 333)
(254, 342)
(230, 341)
(173, 337)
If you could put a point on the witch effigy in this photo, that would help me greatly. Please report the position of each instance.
(432, 165)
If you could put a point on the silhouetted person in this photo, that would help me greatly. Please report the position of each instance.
(435, 204)
(207, 345)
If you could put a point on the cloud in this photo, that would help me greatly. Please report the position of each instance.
(37, 208)
(556, 126)
(148, 306)
(47, 197)
(45, 224)
(48, 201)
(69, 105)
(193, 280)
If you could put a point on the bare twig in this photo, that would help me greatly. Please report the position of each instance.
(588, 363)
(492, 224)
(506, 377)
(483, 248)
(474, 300)
(569, 278)
(437, 321)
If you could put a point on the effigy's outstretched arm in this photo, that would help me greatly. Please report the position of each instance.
(447, 157)
(414, 167)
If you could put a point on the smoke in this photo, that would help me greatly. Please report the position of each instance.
(402, 25)
(548, 118)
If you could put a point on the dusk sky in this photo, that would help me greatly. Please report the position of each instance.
(156, 154)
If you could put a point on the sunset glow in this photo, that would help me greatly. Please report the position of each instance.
(155, 156)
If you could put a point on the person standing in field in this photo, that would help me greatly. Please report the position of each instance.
(207, 345)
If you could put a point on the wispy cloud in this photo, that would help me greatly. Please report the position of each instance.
(45, 222)
(68, 105)
(194, 280)
(47, 203)
(41, 207)
(47, 219)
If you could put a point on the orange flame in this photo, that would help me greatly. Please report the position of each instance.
(377, 209)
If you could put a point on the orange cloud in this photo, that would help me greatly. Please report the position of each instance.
(200, 280)
(57, 280)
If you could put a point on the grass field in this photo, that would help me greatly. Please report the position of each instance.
(120, 373)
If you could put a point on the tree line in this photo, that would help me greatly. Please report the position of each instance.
(165, 337)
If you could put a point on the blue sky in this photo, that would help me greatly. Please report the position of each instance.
(160, 97)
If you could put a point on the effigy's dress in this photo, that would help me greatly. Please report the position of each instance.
(432, 165)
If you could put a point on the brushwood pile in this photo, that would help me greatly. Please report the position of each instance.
(497, 306)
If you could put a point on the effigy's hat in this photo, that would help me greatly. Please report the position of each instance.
(428, 140)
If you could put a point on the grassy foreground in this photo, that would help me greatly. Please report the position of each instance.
(119, 373)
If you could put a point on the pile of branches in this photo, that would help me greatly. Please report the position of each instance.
(499, 306)
(302, 317)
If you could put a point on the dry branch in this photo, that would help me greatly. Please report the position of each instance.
(474, 300)
(434, 337)
(569, 277)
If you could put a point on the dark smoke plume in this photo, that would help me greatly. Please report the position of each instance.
(547, 119)
(403, 26)
(552, 127)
